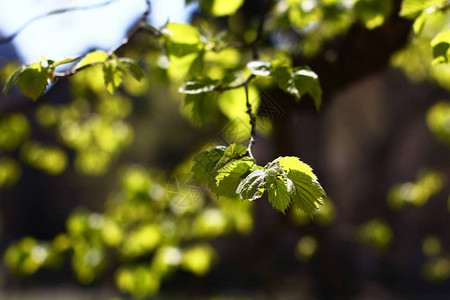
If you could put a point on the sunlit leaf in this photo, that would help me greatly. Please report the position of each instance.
(112, 76)
(229, 177)
(94, 57)
(205, 164)
(441, 46)
(253, 186)
(279, 195)
(308, 194)
(412, 8)
(221, 7)
(182, 34)
(373, 12)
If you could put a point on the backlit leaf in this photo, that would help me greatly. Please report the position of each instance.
(220, 8)
(229, 177)
(94, 57)
(112, 76)
(441, 46)
(253, 186)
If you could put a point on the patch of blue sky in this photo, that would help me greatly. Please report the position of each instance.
(73, 33)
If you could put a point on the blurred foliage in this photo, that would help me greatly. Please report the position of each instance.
(376, 233)
(146, 227)
(306, 248)
(438, 121)
(428, 184)
(153, 226)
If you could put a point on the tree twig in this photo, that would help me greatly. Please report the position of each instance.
(252, 122)
(138, 25)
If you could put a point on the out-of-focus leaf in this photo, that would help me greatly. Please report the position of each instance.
(220, 8)
(94, 57)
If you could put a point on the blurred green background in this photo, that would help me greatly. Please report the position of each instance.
(97, 200)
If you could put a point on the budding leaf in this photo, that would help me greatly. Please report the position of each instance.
(112, 76)
(220, 8)
(94, 57)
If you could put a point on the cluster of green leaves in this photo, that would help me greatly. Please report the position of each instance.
(230, 171)
(152, 228)
(33, 79)
(423, 13)
(308, 24)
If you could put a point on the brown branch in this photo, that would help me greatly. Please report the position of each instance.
(252, 121)
(141, 23)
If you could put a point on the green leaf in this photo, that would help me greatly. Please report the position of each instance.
(183, 34)
(94, 57)
(289, 163)
(279, 196)
(220, 8)
(32, 82)
(229, 177)
(112, 76)
(183, 47)
(299, 82)
(202, 106)
(131, 67)
(412, 8)
(12, 78)
(198, 87)
(253, 186)
(441, 46)
(308, 193)
(204, 169)
(373, 12)
(231, 153)
(260, 68)
(65, 61)
(208, 164)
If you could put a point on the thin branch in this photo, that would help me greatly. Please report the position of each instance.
(232, 87)
(141, 23)
(253, 45)
(74, 71)
(252, 122)
(52, 13)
